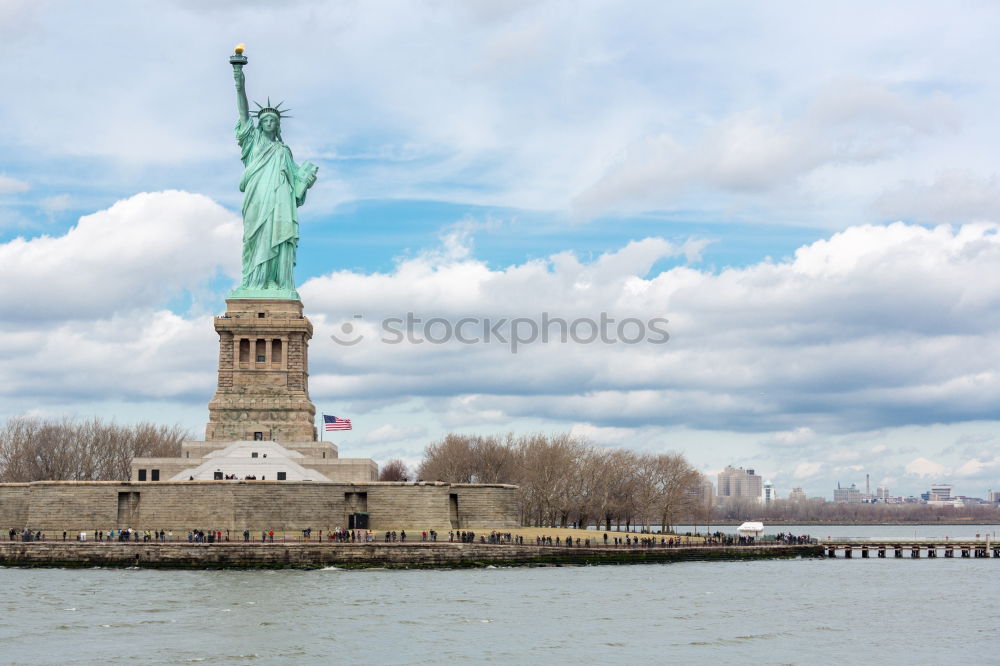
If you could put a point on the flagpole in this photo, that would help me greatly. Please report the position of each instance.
(322, 426)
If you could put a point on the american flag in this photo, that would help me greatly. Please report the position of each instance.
(333, 423)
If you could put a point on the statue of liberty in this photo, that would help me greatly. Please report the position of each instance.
(273, 188)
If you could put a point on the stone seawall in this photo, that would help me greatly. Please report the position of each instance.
(395, 555)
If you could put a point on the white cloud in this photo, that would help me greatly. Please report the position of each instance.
(843, 455)
(923, 467)
(139, 252)
(975, 468)
(56, 203)
(850, 122)
(539, 106)
(137, 355)
(806, 470)
(799, 437)
(953, 196)
(835, 340)
(603, 436)
(85, 322)
(10, 185)
(763, 362)
(389, 432)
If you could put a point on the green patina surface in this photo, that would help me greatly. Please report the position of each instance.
(273, 187)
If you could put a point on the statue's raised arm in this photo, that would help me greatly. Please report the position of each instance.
(273, 187)
(237, 61)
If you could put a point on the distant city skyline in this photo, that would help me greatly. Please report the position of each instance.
(736, 482)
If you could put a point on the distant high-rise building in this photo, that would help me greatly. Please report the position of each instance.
(851, 495)
(769, 494)
(797, 495)
(703, 493)
(707, 492)
(740, 483)
(882, 494)
(993, 496)
(940, 492)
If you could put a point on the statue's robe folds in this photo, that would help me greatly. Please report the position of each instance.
(273, 187)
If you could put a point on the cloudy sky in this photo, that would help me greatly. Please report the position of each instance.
(809, 196)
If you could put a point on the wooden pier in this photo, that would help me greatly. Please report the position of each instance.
(970, 549)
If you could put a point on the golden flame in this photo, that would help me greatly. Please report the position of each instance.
(240, 48)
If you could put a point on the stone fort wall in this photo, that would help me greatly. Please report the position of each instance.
(13, 505)
(487, 505)
(56, 506)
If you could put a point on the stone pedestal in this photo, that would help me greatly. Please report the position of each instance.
(263, 390)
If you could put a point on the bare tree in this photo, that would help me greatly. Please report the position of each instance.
(621, 488)
(33, 449)
(646, 487)
(564, 479)
(679, 488)
(494, 460)
(449, 460)
(546, 465)
(394, 470)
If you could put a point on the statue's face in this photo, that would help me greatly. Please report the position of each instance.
(269, 123)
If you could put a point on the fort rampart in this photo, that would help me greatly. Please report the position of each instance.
(71, 506)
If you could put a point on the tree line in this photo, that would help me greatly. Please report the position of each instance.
(564, 480)
(817, 510)
(37, 449)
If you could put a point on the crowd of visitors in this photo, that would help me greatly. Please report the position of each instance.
(794, 540)
(340, 535)
(349, 536)
(545, 540)
(26, 535)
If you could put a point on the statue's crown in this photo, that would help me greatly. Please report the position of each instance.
(275, 109)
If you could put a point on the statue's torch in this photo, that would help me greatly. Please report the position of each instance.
(237, 60)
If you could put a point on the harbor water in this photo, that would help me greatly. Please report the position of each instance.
(778, 611)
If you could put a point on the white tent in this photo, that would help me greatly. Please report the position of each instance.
(751, 529)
